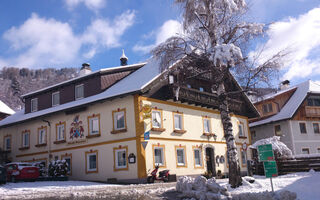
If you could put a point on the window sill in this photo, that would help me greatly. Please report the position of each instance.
(90, 172)
(182, 166)
(158, 129)
(180, 131)
(120, 169)
(243, 137)
(118, 131)
(59, 141)
(209, 134)
(93, 136)
(41, 145)
(23, 148)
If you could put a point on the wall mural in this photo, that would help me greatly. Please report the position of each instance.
(76, 130)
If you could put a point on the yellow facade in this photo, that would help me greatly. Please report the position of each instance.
(109, 140)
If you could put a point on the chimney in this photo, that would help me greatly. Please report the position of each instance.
(284, 84)
(123, 59)
(85, 69)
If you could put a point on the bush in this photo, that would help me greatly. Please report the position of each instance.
(42, 168)
(58, 168)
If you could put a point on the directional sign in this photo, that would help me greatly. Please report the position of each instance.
(265, 152)
(270, 169)
(146, 135)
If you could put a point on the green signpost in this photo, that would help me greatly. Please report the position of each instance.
(266, 156)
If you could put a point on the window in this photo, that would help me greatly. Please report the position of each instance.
(197, 157)
(314, 101)
(94, 124)
(120, 158)
(243, 158)
(253, 133)
(7, 143)
(303, 128)
(267, 108)
(119, 120)
(206, 125)
(68, 159)
(188, 86)
(55, 99)
(316, 128)
(241, 129)
(34, 104)
(92, 162)
(305, 151)
(79, 94)
(158, 155)
(277, 130)
(61, 131)
(201, 89)
(156, 119)
(318, 150)
(181, 156)
(178, 121)
(42, 135)
(25, 139)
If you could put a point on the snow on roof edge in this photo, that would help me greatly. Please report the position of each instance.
(4, 108)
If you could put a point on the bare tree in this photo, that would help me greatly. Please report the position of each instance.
(214, 39)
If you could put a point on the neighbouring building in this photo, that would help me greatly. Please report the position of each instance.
(118, 123)
(5, 110)
(293, 113)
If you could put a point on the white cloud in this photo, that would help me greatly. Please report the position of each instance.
(90, 4)
(40, 42)
(301, 36)
(168, 29)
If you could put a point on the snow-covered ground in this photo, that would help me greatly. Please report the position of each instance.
(305, 184)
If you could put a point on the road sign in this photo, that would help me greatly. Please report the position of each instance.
(270, 169)
(146, 135)
(265, 152)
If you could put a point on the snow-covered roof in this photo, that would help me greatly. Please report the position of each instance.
(134, 82)
(289, 109)
(104, 70)
(5, 109)
(272, 95)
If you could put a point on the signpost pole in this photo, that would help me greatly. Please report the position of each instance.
(271, 185)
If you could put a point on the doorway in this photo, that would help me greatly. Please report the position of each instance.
(211, 165)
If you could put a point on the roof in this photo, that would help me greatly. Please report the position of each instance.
(5, 109)
(101, 71)
(290, 108)
(134, 82)
(274, 94)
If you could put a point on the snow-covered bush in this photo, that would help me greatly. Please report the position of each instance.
(58, 168)
(201, 188)
(280, 149)
(42, 168)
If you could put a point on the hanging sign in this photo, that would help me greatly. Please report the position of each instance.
(146, 135)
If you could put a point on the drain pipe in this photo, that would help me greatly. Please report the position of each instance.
(49, 145)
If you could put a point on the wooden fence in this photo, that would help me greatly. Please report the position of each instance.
(291, 165)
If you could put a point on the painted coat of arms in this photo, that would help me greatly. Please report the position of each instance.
(76, 130)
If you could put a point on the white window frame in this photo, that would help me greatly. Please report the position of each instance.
(42, 131)
(305, 126)
(24, 139)
(243, 161)
(162, 156)
(59, 132)
(200, 157)
(154, 118)
(6, 143)
(318, 127)
(115, 119)
(52, 98)
(117, 166)
(34, 108)
(184, 156)
(179, 116)
(275, 132)
(88, 162)
(75, 92)
(241, 129)
(305, 148)
(91, 120)
(206, 126)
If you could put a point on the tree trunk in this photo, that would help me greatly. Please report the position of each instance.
(235, 179)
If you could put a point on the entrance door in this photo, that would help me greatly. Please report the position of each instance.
(211, 165)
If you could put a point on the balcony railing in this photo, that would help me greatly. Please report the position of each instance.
(313, 111)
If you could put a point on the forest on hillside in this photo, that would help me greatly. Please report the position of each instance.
(18, 81)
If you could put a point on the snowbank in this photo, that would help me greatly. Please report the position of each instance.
(280, 149)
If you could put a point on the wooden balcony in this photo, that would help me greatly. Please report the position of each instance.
(312, 111)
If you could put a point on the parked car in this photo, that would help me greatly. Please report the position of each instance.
(21, 171)
(3, 175)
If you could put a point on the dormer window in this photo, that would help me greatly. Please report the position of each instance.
(34, 105)
(55, 98)
(79, 94)
(267, 108)
(314, 101)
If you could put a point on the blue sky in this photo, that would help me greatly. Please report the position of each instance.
(66, 33)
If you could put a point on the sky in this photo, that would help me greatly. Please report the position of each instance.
(67, 33)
